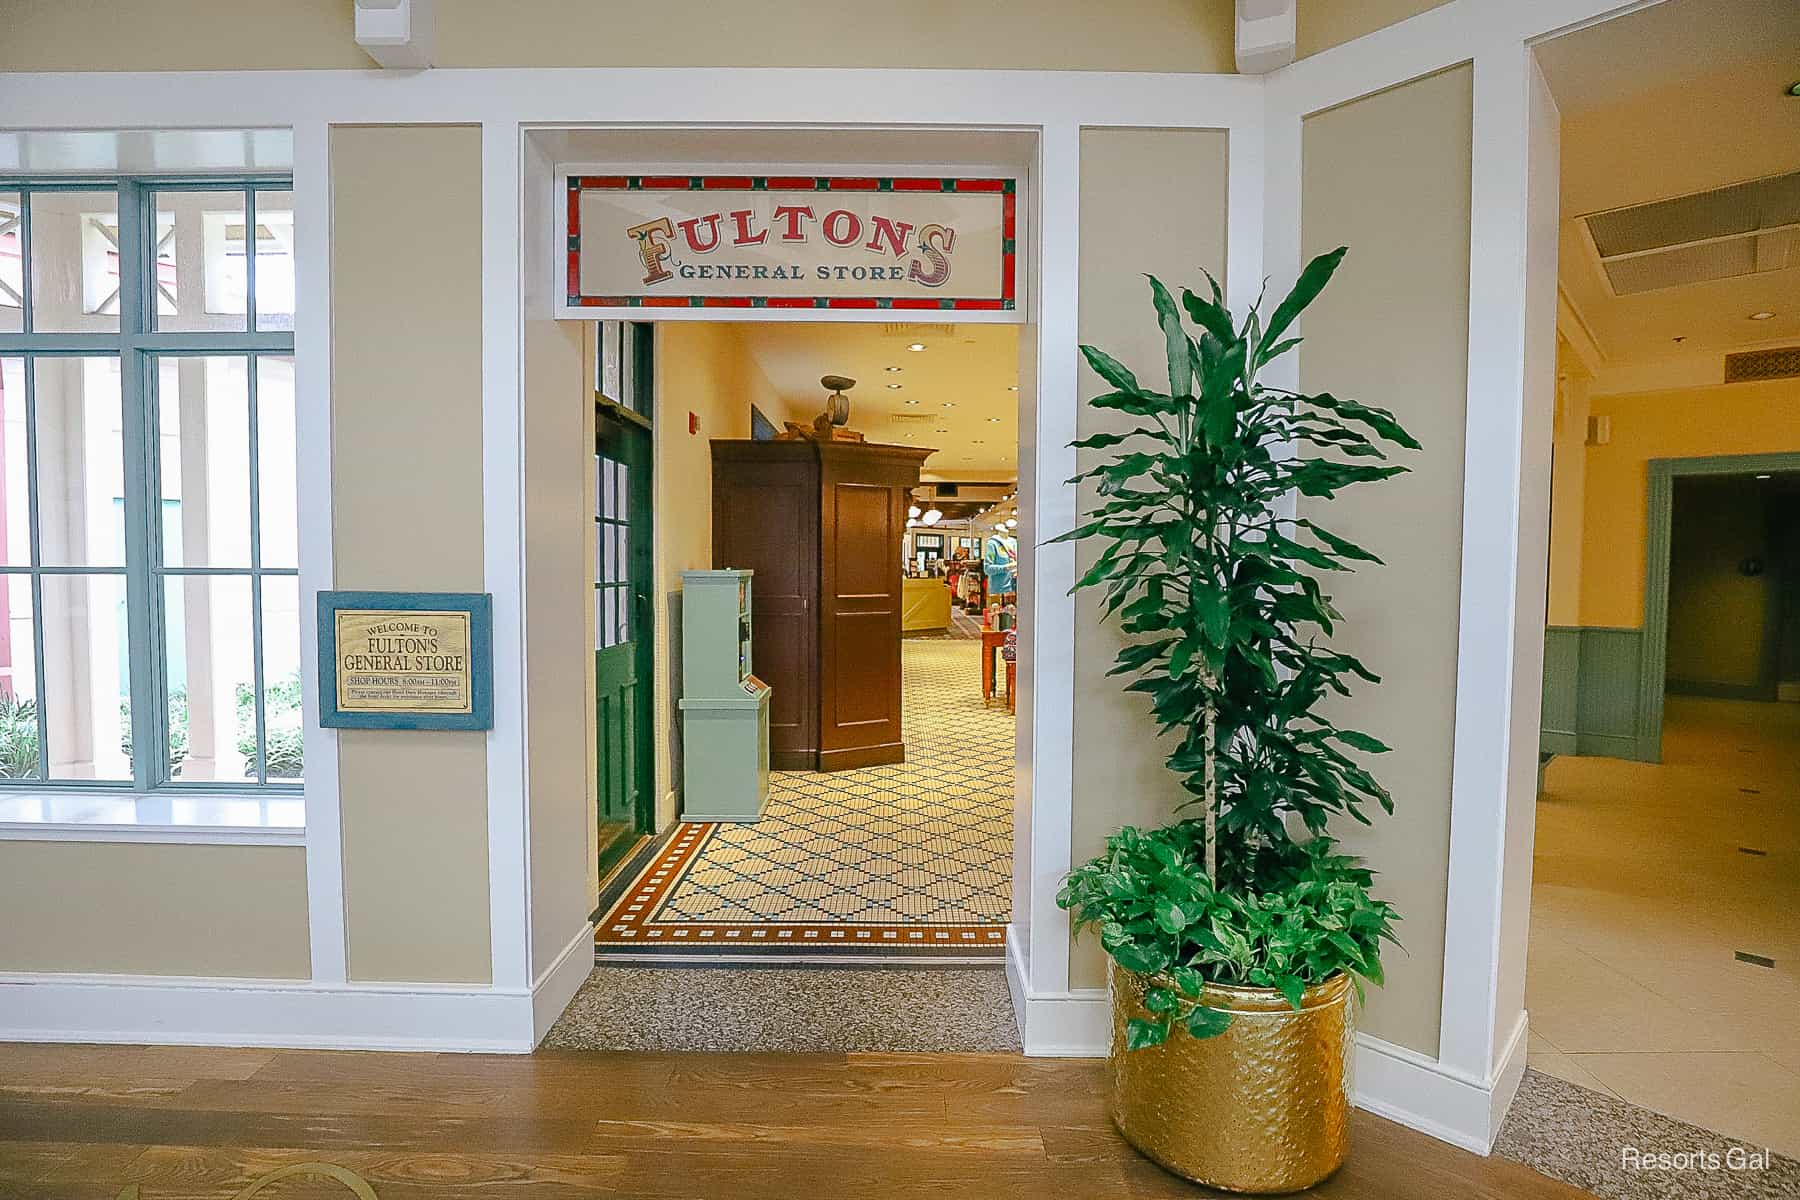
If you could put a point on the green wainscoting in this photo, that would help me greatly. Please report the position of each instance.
(1593, 692)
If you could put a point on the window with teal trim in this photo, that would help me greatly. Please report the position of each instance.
(149, 590)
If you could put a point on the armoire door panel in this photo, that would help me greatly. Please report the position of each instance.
(820, 524)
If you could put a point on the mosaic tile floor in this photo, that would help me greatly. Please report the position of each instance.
(912, 857)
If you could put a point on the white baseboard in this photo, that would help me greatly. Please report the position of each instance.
(170, 1010)
(1421, 1093)
(557, 984)
(1390, 1081)
(1071, 1024)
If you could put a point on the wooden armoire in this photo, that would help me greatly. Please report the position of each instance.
(820, 523)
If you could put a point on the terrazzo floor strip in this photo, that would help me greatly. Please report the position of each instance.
(779, 1009)
(1616, 1150)
(905, 859)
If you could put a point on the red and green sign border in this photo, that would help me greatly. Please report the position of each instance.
(1007, 189)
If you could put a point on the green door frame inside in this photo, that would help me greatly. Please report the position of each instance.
(1654, 665)
(624, 432)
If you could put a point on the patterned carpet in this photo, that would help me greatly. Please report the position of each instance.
(913, 857)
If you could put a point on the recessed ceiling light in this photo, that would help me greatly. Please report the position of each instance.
(892, 370)
(1764, 315)
(912, 401)
(978, 441)
(948, 404)
(940, 431)
(1013, 388)
(916, 347)
(894, 387)
(993, 420)
(1765, 476)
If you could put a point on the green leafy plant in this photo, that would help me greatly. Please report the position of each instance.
(1223, 601)
(285, 750)
(18, 737)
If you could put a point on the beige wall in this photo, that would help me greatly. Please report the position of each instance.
(702, 368)
(1738, 418)
(559, 668)
(1172, 181)
(1322, 24)
(1121, 35)
(1388, 176)
(407, 515)
(154, 909)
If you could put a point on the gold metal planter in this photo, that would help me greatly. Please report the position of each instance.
(1263, 1107)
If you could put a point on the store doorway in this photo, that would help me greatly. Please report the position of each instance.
(905, 851)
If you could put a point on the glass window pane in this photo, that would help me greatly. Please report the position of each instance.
(80, 462)
(276, 465)
(15, 484)
(87, 688)
(285, 751)
(200, 269)
(203, 407)
(210, 677)
(18, 681)
(12, 263)
(274, 260)
(75, 262)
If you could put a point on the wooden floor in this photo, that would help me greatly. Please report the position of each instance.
(88, 1122)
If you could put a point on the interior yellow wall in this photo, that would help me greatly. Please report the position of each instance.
(1719, 616)
(407, 515)
(154, 909)
(195, 35)
(1172, 181)
(1388, 176)
(1568, 488)
(1738, 418)
(1322, 24)
(702, 368)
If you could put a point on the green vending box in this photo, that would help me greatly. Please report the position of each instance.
(724, 708)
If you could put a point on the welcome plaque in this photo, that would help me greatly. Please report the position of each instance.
(406, 660)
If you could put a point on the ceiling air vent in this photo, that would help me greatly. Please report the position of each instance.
(1743, 229)
(1783, 362)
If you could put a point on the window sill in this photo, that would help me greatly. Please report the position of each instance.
(209, 818)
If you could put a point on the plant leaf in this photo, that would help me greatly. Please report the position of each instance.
(1313, 278)
(1110, 369)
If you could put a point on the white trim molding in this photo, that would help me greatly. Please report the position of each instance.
(171, 1010)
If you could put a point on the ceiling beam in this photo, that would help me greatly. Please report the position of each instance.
(1265, 35)
(399, 34)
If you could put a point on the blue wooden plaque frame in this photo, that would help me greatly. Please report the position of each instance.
(479, 606)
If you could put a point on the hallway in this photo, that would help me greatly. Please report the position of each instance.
(1649, 879)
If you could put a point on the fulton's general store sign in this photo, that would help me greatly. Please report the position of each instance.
(753, 241)
(405, 660)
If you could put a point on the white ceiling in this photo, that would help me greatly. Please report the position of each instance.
(956, 395)
(1665, 43)
(1677, 98)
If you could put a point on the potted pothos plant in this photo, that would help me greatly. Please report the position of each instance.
(1238, 931)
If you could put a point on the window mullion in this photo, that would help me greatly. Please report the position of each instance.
(249, 260)
(35, 559)
(260, 696)
(143, 606)
(25, 321)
